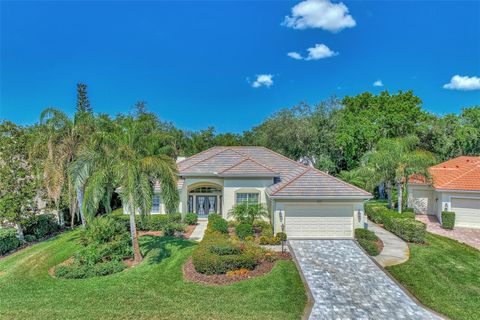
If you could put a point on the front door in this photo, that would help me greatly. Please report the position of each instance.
(206, 205)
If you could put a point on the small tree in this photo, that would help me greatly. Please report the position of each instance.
(247, 212)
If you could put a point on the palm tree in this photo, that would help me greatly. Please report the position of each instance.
(395, 160)
(57, 145)
(128, 158)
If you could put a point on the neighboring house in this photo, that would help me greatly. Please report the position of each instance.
(305, 202)
(454, 186)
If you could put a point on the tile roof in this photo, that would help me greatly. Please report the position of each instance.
(461, 173)
(295, 179)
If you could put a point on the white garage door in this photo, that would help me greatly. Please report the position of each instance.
(467, 212)
(319, 221)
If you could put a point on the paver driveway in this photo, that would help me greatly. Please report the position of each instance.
(347, 284)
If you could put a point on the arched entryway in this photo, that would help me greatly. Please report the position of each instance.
(205, 199)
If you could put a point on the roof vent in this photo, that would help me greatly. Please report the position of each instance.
(276, 179)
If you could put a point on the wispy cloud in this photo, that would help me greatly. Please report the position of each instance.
(320, 51)
(464, 83)
(378, 83)
(295, 55)
(263, 80)
(322, 14)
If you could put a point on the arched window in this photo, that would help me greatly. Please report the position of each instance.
(206, 190)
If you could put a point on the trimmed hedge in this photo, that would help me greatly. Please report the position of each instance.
(448, 220)
(369, 246)
(217, 223)
(155, 222)
(368, 240)
(8, 240)
(40, 226)
(407, 229)
(80, 271)
(219, 255)
(380, 214)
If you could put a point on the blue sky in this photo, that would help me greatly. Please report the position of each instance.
(197, 63)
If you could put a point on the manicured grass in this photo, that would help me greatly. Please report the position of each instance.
(444, 275)
(153, 290)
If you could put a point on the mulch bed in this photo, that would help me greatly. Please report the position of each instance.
(189, 231)
(186, 235)
(190, 274)
(379, 244)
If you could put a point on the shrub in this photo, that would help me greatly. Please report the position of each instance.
(8, 240)
(282, 236)
(30, 238)
(223, 249)
(170, 228)
(264, 240)
(407, 210)
(249, 238)
(369, 246)
(154, 222)
(239, 272)
(261, 225)
(380, 214)
(365, 234)
(217, 224)
(448, 220)
(267, 231)
(40, 226)
(207, 262)
(79, 271)
(243, 230)
(191, 219)
(408, 229)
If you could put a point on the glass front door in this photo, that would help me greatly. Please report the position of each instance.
(206, 205)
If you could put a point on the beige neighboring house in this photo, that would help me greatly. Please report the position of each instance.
(305, 202)
(454, 186)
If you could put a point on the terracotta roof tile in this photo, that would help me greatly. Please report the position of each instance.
(462, 173)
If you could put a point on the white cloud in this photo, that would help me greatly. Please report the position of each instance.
(295, 55)
(263, 80)
(378, 83)
(321, 14)
(320, 51)
(463, 83)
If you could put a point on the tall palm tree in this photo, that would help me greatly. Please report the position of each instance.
(57, 145)
(129, 158)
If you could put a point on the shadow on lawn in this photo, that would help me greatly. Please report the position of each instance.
(164, 245)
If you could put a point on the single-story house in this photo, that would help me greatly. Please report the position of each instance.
(454, 186)
(302, 201)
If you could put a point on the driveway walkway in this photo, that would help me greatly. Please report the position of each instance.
(347, 284)
(395, 250)
(469, 236)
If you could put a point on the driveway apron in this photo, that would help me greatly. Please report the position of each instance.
(347, 284)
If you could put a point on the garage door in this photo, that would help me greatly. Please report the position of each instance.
(467, 212)
(319, 221)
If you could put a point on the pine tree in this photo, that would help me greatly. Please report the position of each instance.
(83, 104)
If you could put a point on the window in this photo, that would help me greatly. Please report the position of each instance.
(206, 190)
(247, 197)
(156, 204)
(190, 203)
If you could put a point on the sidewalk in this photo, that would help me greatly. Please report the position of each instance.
(199, 231)
(395, 250)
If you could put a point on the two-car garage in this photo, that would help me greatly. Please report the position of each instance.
(319, 221)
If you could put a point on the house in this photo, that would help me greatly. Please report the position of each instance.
(454, 186)
(302, 201)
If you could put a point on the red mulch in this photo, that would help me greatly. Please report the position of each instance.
(150, 233)
(379, 244)
(190, 274)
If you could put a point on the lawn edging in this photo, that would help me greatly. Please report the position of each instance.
(310, 299)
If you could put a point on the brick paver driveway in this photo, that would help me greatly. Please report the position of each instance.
(469, 236)
(347, 284)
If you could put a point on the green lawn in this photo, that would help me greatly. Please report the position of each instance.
(153, 290)
(444, 275)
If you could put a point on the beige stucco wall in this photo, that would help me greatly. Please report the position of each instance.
(233, 186)
(422, 198)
